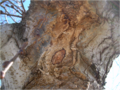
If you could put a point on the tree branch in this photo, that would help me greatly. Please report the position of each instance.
(5, 15)
(8, 12)
(14, 9)
(23, 6)
(16, 6)
(12, 15)
(6, 18)
(3, 1)
(13, 19)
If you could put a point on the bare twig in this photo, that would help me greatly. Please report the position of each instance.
(2, 22)
(24, 0)
(8, 64)
(6, 18)
(16, 6)
(5, 15)
(117, 64)
(19, 9)
(14, 9)
(12, 15)
(3, 1)
(22, 5)
(13, 19)
(7, 12)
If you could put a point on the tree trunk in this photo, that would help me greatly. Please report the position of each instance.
(71, 45)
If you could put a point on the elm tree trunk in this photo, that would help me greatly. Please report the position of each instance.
(71, 45)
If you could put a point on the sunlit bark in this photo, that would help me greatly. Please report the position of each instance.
(71, 45)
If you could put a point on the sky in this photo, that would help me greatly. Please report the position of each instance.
(113, 77)
(26, 5)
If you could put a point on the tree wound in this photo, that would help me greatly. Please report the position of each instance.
(58, 57)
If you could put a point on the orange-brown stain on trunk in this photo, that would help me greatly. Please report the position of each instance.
(58, 56)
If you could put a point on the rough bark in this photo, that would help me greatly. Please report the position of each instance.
(71, 45)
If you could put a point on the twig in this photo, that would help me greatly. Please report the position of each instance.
(7, 12)
(3, 1)
(14, 9)
(22, 6)
(12, 15)
(16, 6)
(8, 64)
(6, 18)
(13, 19)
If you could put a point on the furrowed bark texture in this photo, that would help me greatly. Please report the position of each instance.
(71, 45)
